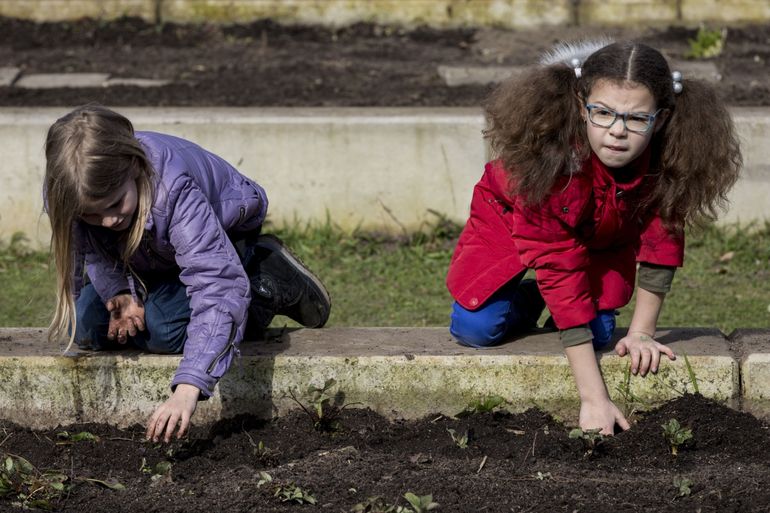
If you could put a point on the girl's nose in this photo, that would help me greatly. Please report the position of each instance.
(618, 128)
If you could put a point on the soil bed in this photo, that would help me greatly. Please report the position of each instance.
(264, 64)
(513, 463)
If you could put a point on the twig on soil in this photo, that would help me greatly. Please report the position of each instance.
(436, 419)
(534, 438)
(483, 461)
(9, 435)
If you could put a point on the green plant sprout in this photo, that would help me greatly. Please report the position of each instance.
(460, 441)
(592, 438)
(683, 486)
(691, 374)
(630, 400)
(707, 43)
(375, 505)
(157, 471)
(676, 435)
(421, 503)
(484, 405)
(264, 478)
(323, 408)
(84, 436)
(27, 486)
(293, 493)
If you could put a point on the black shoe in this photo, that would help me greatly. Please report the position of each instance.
(281, 285)
(530, 302)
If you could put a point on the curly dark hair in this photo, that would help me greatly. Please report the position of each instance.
(536, 128)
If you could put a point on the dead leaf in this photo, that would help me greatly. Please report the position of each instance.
(727, 256)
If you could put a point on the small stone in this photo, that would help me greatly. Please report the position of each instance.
(8, 75)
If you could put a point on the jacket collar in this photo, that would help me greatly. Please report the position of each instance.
(633, 174)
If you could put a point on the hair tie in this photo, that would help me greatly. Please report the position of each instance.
(676, 76)
(575, 62)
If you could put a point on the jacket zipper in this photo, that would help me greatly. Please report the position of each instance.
(230, 346)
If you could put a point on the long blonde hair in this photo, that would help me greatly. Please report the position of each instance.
(89, 153)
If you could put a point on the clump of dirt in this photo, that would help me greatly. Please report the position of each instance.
(266, 64)
(496, 462)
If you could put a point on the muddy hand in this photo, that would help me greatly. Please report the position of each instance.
(176, 411)
(126, 318)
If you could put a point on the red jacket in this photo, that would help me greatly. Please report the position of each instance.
(583, 241)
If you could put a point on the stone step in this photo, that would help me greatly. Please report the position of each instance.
(398, 372)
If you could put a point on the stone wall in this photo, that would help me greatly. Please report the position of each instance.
(440, 13)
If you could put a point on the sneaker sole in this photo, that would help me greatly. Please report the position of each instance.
(274, 244)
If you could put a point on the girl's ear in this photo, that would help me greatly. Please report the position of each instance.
(660, 121)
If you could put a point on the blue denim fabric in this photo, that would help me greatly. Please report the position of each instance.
(166, 315)
(603, 327)
(502, 314)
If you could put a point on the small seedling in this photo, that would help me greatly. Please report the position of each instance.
(707, 43)
(323, 408)
(483, 405)
(420, 503)
(542, 476)
(676, 435)
(157, 471)
(84, 436)
(28, 487)
(592, 438)
(460, 441)
(293, 493)
(683, 486)
(376, 505)
(264, 478)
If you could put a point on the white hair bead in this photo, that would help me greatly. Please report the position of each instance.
(677, 87)
(575, 62)
(677, 76)
(578, 72)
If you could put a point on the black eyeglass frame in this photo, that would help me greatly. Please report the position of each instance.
(590, 107)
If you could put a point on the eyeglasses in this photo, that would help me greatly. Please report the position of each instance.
(637, 122)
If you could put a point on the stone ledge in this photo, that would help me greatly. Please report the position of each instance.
(399, 372)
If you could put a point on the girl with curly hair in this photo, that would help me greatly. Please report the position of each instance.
(604, 157)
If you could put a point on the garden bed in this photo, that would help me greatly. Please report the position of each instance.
(265, 64)
(512, 463)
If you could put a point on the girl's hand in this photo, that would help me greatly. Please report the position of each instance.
(126, 317)
(177, 410)
(644, 350)
(601, 414)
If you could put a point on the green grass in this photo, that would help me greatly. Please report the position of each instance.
(378, 280)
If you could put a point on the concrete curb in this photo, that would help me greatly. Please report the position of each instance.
(399, 372)
(368, 168)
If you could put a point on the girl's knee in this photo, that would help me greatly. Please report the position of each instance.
(603, 328)
(474, 329)
(163, 333)
(91, 320)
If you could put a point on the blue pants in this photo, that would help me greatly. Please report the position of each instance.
(506, 313)
(166, 315)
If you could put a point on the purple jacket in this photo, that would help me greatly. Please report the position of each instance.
(199, 198)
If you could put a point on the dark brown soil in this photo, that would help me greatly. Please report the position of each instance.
(514, 463)
(263, 64)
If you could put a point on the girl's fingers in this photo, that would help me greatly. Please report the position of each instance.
(131, 328)
(645, 362)
(655, 361)
(666, 350)
(139, 323)
(635, 357)
(622, 422)
(170, 426)
(183, 427)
